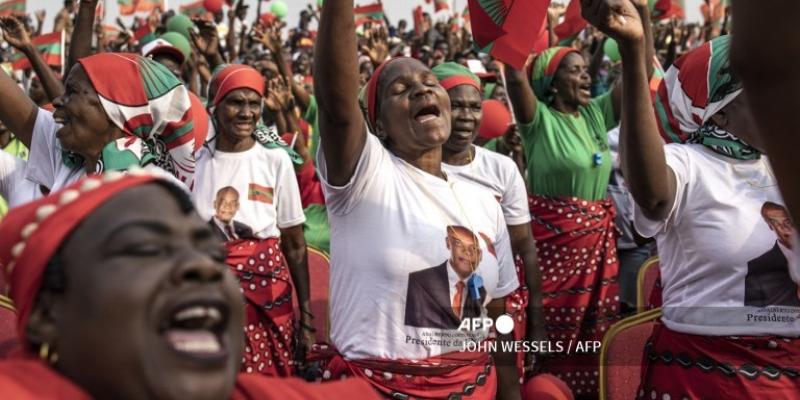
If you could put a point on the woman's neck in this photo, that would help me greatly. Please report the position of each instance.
(429, 161)
(91, 157)
(229, 144)
(462, 157)
(563, 107)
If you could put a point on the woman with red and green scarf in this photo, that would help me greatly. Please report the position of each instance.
(566, 148)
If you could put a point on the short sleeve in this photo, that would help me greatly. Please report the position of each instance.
(287, 194)
(507, 275)
(373, 160)
(604, 104)
(515, 198)
(680, 164)
(44, 160)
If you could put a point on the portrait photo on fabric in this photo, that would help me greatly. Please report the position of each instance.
(770, 280)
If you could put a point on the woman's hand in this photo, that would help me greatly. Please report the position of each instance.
(206, 40)
(377, 47)
(15, 34)
(618, 19)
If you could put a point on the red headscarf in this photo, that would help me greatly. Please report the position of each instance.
(235, 76)
(33, 232)
(372, 93)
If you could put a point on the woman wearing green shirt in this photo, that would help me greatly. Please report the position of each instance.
(568, 167)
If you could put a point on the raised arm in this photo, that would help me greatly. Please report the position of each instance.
(81, 43)
(342, 128)
(764, 41)
(271, 39)
(520, 94)
(17, 111)
(651, 181)
(18, 38)
(643, 10)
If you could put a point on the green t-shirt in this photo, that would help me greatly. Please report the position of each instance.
(491, 145)
(310, 116)
(560, 147)
(316, 229)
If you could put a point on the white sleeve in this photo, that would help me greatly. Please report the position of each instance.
(287, 194)
(374, 159)
(507, 280)
(12, 170)
(44, 160)
(681, 165)
(515, 198)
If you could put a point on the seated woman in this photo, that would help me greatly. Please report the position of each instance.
(247, 191)
(118, 110)
(121, 290)
(413, 252)
(729, 325)
(498, 174)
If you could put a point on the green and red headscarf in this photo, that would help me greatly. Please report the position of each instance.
(452, 74)
(697, 86)
(543, 70)
(152, 107)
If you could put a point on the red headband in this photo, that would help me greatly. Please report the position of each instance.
(456, 80)
(372, 91)
(236, 77)
(32, 233)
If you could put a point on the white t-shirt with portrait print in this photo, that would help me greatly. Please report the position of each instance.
(498, 174)
(269, 198)
(722, 266)
(389, 224)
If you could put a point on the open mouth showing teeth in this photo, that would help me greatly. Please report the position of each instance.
(427, 114)
(196, 329)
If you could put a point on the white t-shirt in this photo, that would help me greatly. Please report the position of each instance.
(264, 182)
(500, 176)
(45, 163)
(14, 188)
(722, 268)
(388, 238)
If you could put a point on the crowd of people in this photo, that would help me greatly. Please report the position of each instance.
(164, 183)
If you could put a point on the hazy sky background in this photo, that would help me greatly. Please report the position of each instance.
(395, 9)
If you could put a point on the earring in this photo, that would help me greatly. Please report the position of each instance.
(44, 354)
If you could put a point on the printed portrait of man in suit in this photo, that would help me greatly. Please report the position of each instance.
(438, 297)
(226, 205)
(769, 280)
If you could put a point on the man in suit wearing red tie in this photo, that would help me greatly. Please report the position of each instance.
(437, 297)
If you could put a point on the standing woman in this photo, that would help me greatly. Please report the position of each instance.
(730, 300)
(498, 174)
(247, 191)
(413, 251)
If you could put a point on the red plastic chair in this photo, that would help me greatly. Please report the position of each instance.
(319, 277)
(9, 341)
(621, 355)
(648, 287)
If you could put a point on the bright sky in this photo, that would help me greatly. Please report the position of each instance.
(395, 9)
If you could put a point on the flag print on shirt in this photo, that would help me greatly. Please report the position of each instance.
(260, 193)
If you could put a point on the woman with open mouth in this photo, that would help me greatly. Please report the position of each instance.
(121, 290)
(118, 110)
(498, 174)
(414, 253)
(566, 147)
(247, 191)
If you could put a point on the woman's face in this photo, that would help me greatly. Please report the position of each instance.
(149, 309)
(572, 81)
(465, 105)
(414, 110)
(238, 113)
(85, 124)
(737, 119)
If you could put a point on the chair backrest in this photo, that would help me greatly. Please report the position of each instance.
(9, 341)
(319, 274)
(621, 355)
(646, 280)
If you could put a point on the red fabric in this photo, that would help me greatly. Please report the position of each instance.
(128, 89)
(546, 387)
(30, 379)
(661, 379)
(517, 306)
(310, 186)
(523, 20)
(495, 121)
(267, 288)
(432, 378)
(9, 339)
(200, 118)
(252, 387)
(623, 361)
(236, 76)
(456, 80)
(573, 21)
(46, 223)
(576, 243)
